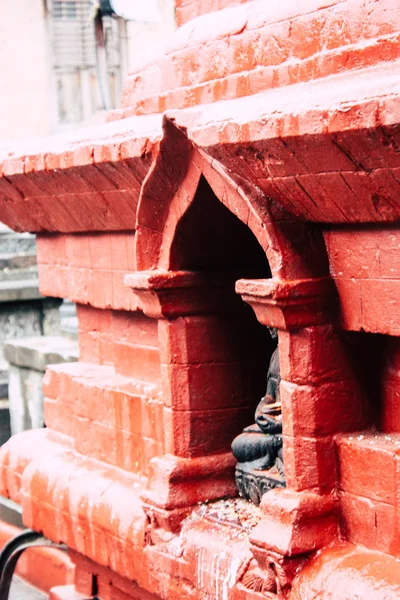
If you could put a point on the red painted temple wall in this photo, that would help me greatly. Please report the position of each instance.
(87, 268)
(260, 164)
(365, 265)
(257, 47)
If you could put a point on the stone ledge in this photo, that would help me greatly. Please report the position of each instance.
(38, 352)
(112, 159)
(172, 294)
(96, 510)
(11, 291)
(288, 304)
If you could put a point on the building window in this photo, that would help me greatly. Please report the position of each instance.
(64, 9)
(74, 60)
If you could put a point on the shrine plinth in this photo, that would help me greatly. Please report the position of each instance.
(249, 180)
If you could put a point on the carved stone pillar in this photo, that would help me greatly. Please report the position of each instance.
(320, 398)
(206, 399)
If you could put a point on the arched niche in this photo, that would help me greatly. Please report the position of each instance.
(294, 250)
(199, 231)
(209, 237)
(211, 241)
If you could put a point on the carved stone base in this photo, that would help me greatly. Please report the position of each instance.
(294, 524)
(252, 484)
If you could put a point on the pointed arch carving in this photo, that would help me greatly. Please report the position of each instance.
(293, 250)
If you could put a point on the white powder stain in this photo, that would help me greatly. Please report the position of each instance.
(222, 574)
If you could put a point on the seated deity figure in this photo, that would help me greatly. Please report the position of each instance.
(258, 449)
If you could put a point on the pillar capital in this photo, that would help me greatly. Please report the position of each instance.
(172, 294)
(288, 305)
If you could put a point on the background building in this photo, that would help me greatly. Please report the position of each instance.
(48, 62)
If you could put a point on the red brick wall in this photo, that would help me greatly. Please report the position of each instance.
(256, 48)
(369, 484)
(365, 264)
(87, 268)
(126, 340)
(109, 417)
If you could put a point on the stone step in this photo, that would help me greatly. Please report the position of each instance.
(39, 351)
(26, 289)
(14, 243)
(20, 590)
(21, 260)
(19, 274)
(67, 309)
(10, 513)
(69, 327)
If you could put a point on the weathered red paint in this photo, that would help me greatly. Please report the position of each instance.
(255, 161)
(348, 573)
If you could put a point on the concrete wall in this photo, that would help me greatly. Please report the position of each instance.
(24, 70)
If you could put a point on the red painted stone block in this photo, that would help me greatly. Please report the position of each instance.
(133, 328)
(367, 465)
(94, 400)
(315, 355)
(90, 350)
(85, 582)
(113, 410)
(58, 417)
(151, 449)
(51, 249)
(353, 256)
(106, 577)
(308, 34)
(151, 421)
(80, 286)
(349, 291)
(50, 384)
(122, 298)
(100, 251)
(207, 386)
(323, 409)
(139, 362)
(89, 317)
(183, 339)
(370, 523)
(129, 452)
(77, 251)
(380, 311)
(389, 255)
(100, 444)
(47, 284)
(203, 432)
(102, 288)
(310, 463)
(176, 483)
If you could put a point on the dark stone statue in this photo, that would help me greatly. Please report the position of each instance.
(258, 449)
